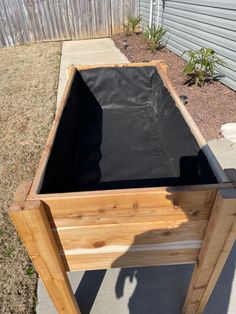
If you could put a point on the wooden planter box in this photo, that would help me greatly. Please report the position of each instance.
(125, 227)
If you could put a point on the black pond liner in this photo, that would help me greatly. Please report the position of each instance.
(121, 129)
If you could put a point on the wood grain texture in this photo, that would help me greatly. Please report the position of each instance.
(126, 219)
(130, 206)
(22, 193)
(217, 243)
(24, 21)
(32, 225)
(129, 234)
(119, 65)
(130, 259)
(117, 15)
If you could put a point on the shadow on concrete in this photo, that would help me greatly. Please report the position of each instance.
(158, 290)
(88, 289)
(162, 290)
(219, 301)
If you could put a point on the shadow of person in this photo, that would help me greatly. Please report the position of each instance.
(158, 289)
(162, 290)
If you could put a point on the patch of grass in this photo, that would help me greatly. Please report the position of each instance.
(30, 271)
(8, 252)
(29, 80)
(35, 302)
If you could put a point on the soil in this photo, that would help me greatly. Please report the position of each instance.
(210, 106)
(29, 79)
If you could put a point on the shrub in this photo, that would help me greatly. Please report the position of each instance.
(153, 36)
(132, 24)
(201, 66)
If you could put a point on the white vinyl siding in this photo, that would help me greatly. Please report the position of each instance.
(193, 24)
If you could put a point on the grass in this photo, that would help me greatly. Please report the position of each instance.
(30, 271)
(8, 252)
(29, 79)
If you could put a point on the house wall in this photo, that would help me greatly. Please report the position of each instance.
(193, 24)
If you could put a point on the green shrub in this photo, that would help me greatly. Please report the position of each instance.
(132, 24)
(153, 35)
(201, 66)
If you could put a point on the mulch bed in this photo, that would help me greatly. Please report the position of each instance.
(210, 106)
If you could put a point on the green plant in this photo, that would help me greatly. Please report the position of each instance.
(201, 66)
(131, 25)
(134, 21)
(35, 301)
(30, 271)
(8, 252)
(153, 35)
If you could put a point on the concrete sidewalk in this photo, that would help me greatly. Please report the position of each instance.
(87, 52)
(225, 151)
(153, 290)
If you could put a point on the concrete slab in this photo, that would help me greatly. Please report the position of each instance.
(225, 151)
(133, 290)
(152, 290)
(87, 52)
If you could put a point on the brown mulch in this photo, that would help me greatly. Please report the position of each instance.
(210, 106)
(28, 89)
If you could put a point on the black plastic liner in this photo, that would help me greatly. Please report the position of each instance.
(121, 129)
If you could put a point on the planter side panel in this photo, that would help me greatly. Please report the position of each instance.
(138, 227)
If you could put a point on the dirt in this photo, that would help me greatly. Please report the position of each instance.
(210, 106)
(29, 79)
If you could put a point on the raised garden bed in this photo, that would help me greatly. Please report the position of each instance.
(153, 144)
(126, 179)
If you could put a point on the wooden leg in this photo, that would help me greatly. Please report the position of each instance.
(32, 224)
(217, 243)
